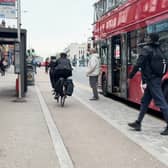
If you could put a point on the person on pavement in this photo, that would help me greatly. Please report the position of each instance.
(52, 66)
(93, 72)
(46, 65)
(152, 84)
(3, 65)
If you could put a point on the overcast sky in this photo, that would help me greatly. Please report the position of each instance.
(53, 24)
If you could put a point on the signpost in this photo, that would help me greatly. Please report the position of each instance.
(19, 40)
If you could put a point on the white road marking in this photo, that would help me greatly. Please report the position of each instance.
(60, 149)
(145, 145)
(165, 149)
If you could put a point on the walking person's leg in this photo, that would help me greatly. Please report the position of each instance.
(2, 68)
(145, 101)
(160, 101)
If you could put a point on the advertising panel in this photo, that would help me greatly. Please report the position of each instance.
(8, 9)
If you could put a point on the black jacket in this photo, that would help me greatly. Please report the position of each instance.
(62, 64)
(143, 62)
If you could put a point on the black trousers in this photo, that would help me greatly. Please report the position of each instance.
(51, 73)
(2, 67)
(153, 91)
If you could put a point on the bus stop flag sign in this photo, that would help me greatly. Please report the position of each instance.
(8, 9)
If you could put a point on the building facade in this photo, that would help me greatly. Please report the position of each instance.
(77, 53)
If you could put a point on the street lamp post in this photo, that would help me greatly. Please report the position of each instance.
(19, 40)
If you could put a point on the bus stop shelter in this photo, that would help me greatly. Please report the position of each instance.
(8, 36)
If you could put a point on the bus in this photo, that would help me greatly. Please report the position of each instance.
(118, 29)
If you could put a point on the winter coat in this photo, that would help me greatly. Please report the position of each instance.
(93, 65)
(63, 63)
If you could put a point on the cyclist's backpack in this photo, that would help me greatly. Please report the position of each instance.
(70, 87)
(158, 62)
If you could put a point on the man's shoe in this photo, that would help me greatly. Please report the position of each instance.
(165, 132)
(136, 125)
(94, 98)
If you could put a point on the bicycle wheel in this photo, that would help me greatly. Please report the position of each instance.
(63, 100)
(63, 96)
(58, 99)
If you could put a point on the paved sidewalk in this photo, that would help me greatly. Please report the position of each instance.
(24, 137)
(118, 115)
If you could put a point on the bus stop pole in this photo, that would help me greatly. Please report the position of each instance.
(19, 40)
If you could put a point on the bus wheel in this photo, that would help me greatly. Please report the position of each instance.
(104, 86)
(165, 92)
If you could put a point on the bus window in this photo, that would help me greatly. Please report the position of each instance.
(162, 29)
(142, 35)
(116, 63)
(117, 51)
(136, 37)
(99, 9)
(164, 43)
(103, 55)
(111, 4)
(133, 55)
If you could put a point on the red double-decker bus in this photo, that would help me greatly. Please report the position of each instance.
(119, 26)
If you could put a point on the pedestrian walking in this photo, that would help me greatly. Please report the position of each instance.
(93, 72)
(46, 65)
(152, 66)
(2, 67)
(52, 66)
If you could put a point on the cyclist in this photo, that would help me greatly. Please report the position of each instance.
(63, 69)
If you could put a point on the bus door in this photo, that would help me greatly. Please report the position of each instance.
(123, 70)
(109, 66)
(119, 65)
(116, 64)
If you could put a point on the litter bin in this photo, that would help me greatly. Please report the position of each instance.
(30, 75)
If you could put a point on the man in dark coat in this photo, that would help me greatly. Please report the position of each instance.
(63, 69)
(52, 66)
(153, 88)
